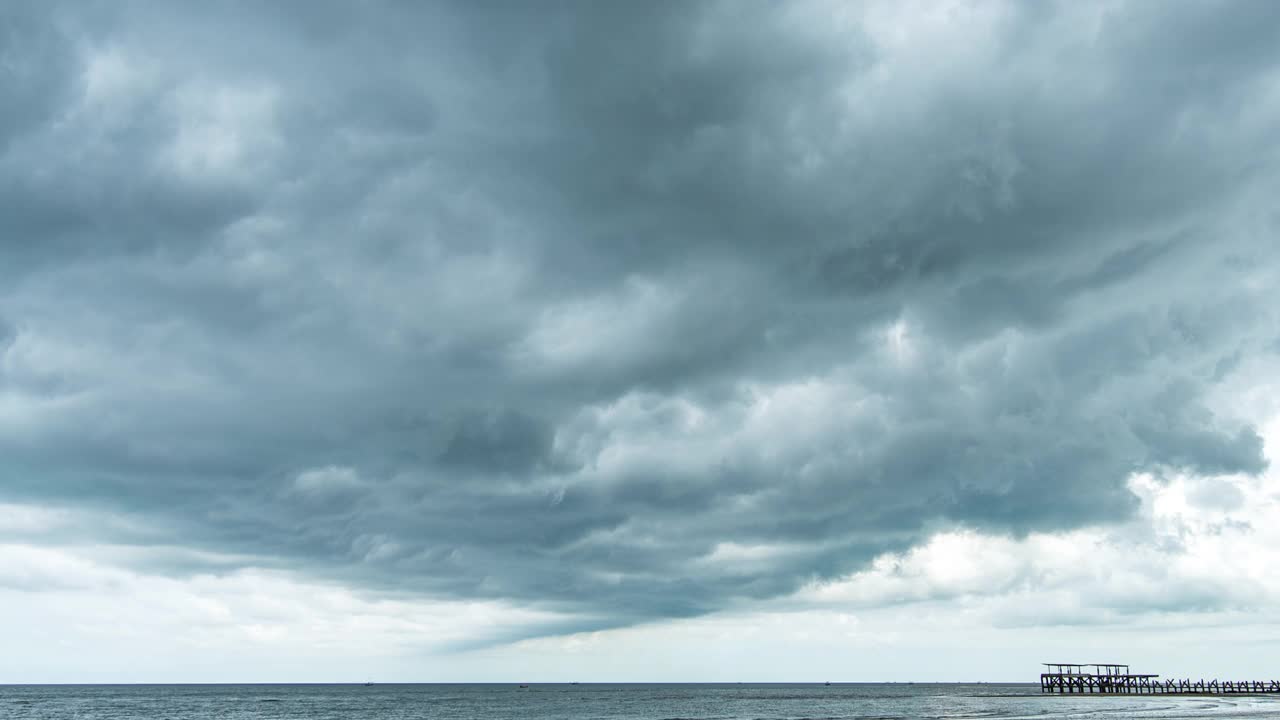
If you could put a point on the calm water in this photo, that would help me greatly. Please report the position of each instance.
(351, 702)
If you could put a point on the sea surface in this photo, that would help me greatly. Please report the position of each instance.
(630, 702)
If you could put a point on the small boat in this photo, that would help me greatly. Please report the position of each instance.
(828, 683)
(524, 687)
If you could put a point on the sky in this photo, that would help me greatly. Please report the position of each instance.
(615, 341)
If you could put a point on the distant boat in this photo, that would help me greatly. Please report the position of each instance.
(828, 683)
(367, 683)
(524, 687)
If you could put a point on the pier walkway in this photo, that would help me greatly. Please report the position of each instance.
(1114, 679)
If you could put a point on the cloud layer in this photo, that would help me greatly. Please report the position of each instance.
(623, 312)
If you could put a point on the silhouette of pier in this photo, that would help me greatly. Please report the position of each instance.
(1115, 679)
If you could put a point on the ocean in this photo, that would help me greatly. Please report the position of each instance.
(604, 701)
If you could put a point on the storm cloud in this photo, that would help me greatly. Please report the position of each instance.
(628, 311)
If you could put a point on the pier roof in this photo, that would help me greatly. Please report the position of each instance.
(1087, 664)
(1110, 670)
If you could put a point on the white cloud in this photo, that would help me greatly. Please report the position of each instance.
(328, 480)
(616, 327)
(222, 132)
(65, 613)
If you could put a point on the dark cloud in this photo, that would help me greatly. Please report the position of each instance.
(500, 441)
(629, 310)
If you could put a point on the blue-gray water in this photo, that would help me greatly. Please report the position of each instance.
(652, 702)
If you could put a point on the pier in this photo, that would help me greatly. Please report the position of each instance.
(1115, 679)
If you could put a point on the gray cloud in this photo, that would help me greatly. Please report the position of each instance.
(632, 311)
(500, 441)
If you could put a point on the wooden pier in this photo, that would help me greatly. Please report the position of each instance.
(1115, 679)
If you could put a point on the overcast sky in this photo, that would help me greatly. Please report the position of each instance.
(638, 341)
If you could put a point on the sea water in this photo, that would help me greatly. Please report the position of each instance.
(622, 701)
